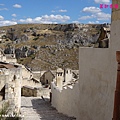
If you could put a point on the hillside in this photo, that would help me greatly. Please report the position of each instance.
(48, 46)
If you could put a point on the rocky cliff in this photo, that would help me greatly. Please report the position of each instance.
(47, 46)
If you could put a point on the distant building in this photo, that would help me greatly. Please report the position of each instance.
(10, 58)
(47, 78)
(10, 85)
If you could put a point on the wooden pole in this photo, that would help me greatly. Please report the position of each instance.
(116, 112)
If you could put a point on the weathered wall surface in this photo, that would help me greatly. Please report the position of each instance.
(25, 73)
(12, 60)
(96, 84)
(13, 79)
(30, 83)
(36, 92)
(98, 73)
(66, 101)
(29, 91)
(36, 74)
(2, 81)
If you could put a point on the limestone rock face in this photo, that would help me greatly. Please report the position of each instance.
(49, 45)
(15, 35)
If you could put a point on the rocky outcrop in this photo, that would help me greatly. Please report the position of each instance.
(47, 46)
(66, 27)
(16, 36)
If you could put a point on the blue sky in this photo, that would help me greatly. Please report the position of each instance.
(53, 11)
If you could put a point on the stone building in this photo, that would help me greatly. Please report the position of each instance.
(65, 76)
(13, 77)
(10, 85)
(10, 58)
(47, 78)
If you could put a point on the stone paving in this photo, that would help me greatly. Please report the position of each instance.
(34, 108)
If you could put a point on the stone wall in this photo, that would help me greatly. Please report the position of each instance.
(35, 92)
(2, 81)
(11, 79)
(26, 82)
(36, 74)
(45, 92)
(67, 100)
(26, 74)
(11, 60)
(13, 89)
(29, 91)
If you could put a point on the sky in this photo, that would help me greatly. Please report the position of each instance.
(54, 11)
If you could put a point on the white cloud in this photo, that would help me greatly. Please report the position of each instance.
(53, 11)
(62, 10)
(91, 9)
(75, 22)
(1, 4)
(93, 22)
(87, 17)
(14, 15)
(46, 19)
(97, 22)
(1, 17)
(3, 9)
(98, 16)
(102, 1)
(7, 23)
(103, 16)
(17, 6)
(95, 13)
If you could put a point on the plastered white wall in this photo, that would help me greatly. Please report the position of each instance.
(66, 101)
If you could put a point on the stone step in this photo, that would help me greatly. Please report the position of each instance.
(37, 109)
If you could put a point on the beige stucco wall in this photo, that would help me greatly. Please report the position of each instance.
(98, 73)
(66, 101)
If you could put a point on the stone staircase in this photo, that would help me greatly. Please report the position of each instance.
(38, 109)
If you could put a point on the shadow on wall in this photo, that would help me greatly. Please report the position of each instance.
(46, 112)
